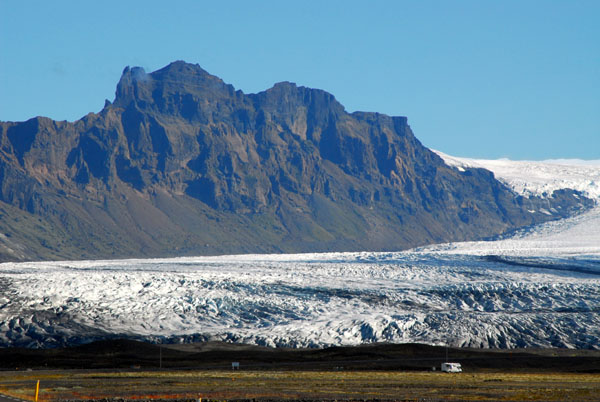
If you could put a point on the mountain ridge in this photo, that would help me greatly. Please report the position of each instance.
(182, 163)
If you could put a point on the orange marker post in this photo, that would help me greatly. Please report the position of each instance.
(37, 390)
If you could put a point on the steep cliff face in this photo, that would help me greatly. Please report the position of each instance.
(182, 163)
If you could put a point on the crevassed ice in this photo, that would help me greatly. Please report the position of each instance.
(305, 300)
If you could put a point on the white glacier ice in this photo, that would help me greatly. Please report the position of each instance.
(576, 236)
(538, 288)
(538, 177)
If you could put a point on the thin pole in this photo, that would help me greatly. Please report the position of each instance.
(37, 390)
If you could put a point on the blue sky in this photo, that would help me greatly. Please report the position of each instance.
(490, 79)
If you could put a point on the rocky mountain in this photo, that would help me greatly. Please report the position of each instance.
(183, 164)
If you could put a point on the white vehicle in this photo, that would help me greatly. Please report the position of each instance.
(451, 367)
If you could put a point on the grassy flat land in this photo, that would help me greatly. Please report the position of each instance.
(382, 372)
(306, 385)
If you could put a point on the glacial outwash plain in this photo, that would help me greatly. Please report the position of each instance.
(188, 225)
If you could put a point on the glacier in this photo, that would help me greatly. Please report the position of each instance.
(539, 287)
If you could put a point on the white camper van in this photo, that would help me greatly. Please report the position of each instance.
(451, 367)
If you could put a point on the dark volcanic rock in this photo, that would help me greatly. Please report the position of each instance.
(182, 163)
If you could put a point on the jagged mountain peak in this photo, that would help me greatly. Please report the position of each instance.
(180, 71)
(178, 79)
(182, 163)
(290, 100)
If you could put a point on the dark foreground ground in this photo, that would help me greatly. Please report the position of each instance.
(114, 354)
(125, 370)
